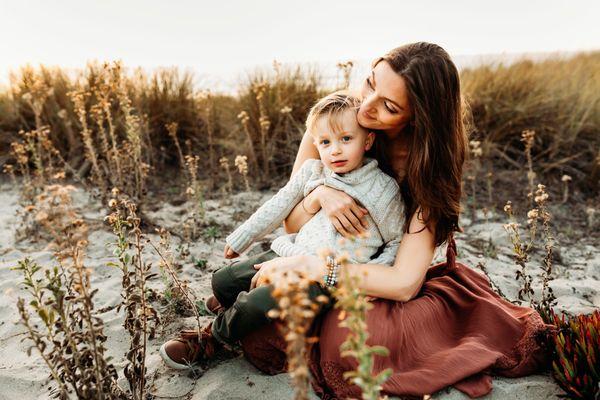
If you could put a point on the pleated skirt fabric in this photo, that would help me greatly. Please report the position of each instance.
(456, 332)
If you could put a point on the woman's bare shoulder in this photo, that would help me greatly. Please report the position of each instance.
(306, 150)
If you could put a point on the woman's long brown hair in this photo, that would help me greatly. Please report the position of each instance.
(438, 140)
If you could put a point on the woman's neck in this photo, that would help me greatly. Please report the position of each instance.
(396, 147)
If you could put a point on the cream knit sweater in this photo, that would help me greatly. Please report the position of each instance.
(368, 185)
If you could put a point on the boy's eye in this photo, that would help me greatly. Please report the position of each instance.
(346, 138)
(324, 141)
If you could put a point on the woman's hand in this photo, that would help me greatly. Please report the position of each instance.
(343, 211)
(312, 267)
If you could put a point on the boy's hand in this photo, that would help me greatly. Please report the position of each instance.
(229, 253)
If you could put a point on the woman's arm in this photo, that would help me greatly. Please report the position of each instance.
(400, 282)
(404, 279)
(306, 150)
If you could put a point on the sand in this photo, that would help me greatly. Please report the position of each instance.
(577, 288)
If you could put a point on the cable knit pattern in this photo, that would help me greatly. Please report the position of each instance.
(368, 185)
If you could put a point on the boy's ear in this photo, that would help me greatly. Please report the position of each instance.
(370, 140)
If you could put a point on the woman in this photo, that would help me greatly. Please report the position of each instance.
(443, 325)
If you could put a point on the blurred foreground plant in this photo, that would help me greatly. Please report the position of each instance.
(297, 311)
(353, 305)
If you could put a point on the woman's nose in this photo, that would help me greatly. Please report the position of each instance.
(368, 104)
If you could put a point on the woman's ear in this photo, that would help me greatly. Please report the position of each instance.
(370, 140)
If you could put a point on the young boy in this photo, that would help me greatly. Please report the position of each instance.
(342, 144)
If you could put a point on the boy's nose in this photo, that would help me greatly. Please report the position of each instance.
(335, 149)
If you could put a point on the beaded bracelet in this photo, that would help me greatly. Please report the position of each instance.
(332, 272)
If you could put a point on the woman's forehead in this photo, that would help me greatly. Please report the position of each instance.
(390, 84)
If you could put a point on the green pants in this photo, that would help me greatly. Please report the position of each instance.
(245, 309)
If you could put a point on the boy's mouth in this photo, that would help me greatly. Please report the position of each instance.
(338, 163)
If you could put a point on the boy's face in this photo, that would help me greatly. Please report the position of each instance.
(342, 150)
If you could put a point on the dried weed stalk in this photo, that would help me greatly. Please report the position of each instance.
(71, 341)
(522, 249)
(528, 137)
(345, 68)
(179, 289)
(195, 195)
(141, 319)
(227, 189)
(242, 165)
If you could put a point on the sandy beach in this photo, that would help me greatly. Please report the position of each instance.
(576, 286)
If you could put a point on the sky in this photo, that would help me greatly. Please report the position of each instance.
(221, 39)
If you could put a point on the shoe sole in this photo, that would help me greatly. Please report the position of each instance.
(169, 362)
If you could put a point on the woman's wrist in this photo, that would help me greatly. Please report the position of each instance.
(317, 266)
(312, 202)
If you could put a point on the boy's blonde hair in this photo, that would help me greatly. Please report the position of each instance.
(332, 106)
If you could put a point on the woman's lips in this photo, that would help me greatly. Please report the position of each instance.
(367, 116)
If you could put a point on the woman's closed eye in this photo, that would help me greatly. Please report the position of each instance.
(389, 109)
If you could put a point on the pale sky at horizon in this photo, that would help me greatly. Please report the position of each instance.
(222, 39)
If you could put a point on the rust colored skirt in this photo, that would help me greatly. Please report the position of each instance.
(456, 332)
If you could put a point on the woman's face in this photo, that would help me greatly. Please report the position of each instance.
(385, 105)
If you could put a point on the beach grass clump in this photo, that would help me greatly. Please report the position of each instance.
(112, 132)
(557, 98)
(123, 117)
(273, 106)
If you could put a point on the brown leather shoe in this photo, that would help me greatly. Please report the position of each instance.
(189, 349)
(213, 305)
